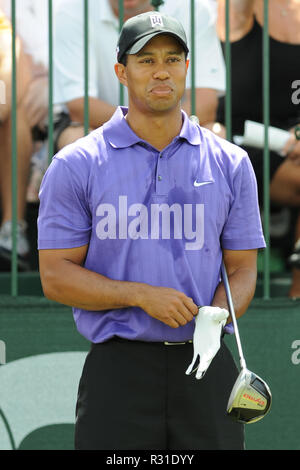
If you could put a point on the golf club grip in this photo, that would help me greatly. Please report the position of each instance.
(232, 313)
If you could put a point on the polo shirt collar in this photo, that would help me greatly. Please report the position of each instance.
(118, 132)
(189, 131)
(120, 135)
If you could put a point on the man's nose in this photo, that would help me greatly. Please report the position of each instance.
(161, 74)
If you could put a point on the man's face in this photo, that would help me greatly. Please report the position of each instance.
(131, 7)
(155, 77)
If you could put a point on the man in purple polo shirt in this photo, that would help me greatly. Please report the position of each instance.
(134, 222)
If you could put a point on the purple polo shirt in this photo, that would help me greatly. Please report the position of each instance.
(154, 217)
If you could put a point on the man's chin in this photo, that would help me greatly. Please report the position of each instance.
(162, 106)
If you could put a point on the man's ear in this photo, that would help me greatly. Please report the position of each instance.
(120, 71)
(187, 63)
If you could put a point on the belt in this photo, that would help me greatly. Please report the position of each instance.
(167, 343)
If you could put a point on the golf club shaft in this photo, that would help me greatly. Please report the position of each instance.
(232, 313)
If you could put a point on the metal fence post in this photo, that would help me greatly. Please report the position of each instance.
(50, 80)
(121, 21)
(266, 113)
(228, 110)
(86, 66)
(193, 55)
(14, 157)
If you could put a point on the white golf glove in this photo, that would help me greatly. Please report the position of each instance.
(207, 337)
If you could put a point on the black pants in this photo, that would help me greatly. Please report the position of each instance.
(136, 396)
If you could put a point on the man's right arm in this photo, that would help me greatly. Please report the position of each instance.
(66, 281)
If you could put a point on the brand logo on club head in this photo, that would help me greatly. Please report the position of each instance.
(255, 400)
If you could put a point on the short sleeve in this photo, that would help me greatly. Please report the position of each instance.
(243, 228)
(64, 219)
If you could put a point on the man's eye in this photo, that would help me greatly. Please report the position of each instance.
(146, 61)
(173, 59)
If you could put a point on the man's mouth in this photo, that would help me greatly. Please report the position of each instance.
(161, 90)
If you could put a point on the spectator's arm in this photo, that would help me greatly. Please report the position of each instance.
(241, 17)
(99, 111)
(206, 104)
(36, 98)
(23, 68)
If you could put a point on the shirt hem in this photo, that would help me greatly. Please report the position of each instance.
(48, 244)
(244, 245)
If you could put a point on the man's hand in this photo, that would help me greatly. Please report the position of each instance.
(168, 305)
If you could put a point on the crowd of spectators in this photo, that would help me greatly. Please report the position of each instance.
(246, 37)
(32, 111)
(246, 23)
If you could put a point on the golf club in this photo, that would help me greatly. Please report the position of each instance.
(250, 399)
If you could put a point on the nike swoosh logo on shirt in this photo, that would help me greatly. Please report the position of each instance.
(196, 184)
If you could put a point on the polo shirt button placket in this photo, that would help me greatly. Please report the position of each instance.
(162, 187)
(159, 176)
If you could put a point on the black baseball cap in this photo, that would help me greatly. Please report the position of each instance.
(138, 30)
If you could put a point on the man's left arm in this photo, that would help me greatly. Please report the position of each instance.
(241, 267)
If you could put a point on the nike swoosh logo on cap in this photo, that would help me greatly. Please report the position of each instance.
(196, 184)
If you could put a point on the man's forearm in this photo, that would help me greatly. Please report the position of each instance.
(242, 285)
(71, 284)
(79, 287)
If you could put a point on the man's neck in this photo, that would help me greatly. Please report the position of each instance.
(157, 130)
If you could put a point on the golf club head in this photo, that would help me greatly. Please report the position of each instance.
(250, 398)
